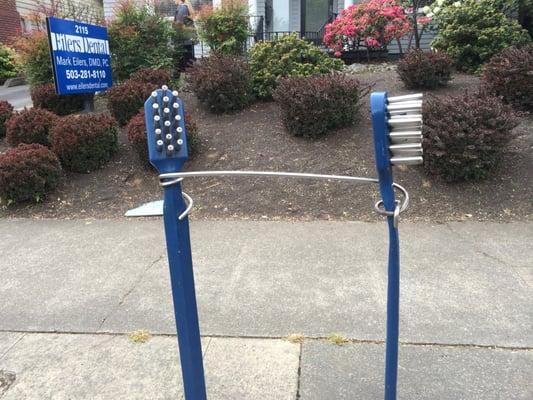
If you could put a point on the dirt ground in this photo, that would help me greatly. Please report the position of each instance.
(255, 139)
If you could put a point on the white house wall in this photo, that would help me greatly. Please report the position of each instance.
(294, 15)
(26, 7)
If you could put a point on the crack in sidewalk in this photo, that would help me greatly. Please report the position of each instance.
(305, 338)
(480, 251)
(4, 354)
(133, 287)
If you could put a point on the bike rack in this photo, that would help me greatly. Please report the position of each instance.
(397, 124)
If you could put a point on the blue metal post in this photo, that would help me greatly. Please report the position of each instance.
(183, 294)
(381, 143)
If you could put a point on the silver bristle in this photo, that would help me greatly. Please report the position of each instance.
(409, 97)
(175, 93)
(166, 110)
(406, 149)
(405, 137)
(179, 141)
(177, 117)
(406, 160)
(170, 149)
(164, 87)
(179, 129)
(154, 94)
(159, 145)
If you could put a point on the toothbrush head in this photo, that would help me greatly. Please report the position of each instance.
(397, 124)
(165, 127)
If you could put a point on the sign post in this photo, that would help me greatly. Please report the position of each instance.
(81, 59)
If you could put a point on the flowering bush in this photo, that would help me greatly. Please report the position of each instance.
(509, 74)
(27, 172)
(6, 111)
(287, 56)
(30, 125)
(314, 105)
(84, 142)
(373, 24)
(44, 96)
(473, 31)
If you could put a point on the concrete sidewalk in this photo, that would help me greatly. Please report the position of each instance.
(72, 290)
(18, 96)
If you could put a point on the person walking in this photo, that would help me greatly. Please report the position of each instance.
(183, 13)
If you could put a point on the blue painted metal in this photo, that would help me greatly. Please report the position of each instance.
(179, 257)
(378, 102)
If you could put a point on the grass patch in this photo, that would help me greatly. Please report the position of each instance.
(140, 336)
(296, 338)
(337, 339)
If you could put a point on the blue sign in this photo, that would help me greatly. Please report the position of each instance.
(80, 56)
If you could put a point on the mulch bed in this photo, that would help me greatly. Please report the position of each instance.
(255, 139)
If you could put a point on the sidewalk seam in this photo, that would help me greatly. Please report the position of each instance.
(299, 380)
(306, 339)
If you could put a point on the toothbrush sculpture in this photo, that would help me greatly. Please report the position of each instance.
(167, 150)
(397, 125)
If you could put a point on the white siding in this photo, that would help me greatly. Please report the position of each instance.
(294, 15)
(25, 7)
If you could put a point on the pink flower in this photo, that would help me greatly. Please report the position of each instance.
(423, 20)
(338, 54)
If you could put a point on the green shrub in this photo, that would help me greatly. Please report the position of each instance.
(29, 126)
(312, 106)
(425, 70)
(222, 83)
(27, 172)
(126, 99)
(7, 63)
(509, 74)
(34, 57)
(474, 32)
(44, 96)
(84, 142)
(224, 29)
(136, 131)
(286, 56)
(465, 136)
(6, 111)
(140, 39)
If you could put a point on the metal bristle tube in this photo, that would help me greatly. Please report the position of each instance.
(405, 129)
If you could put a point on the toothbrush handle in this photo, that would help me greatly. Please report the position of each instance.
(183, 294)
